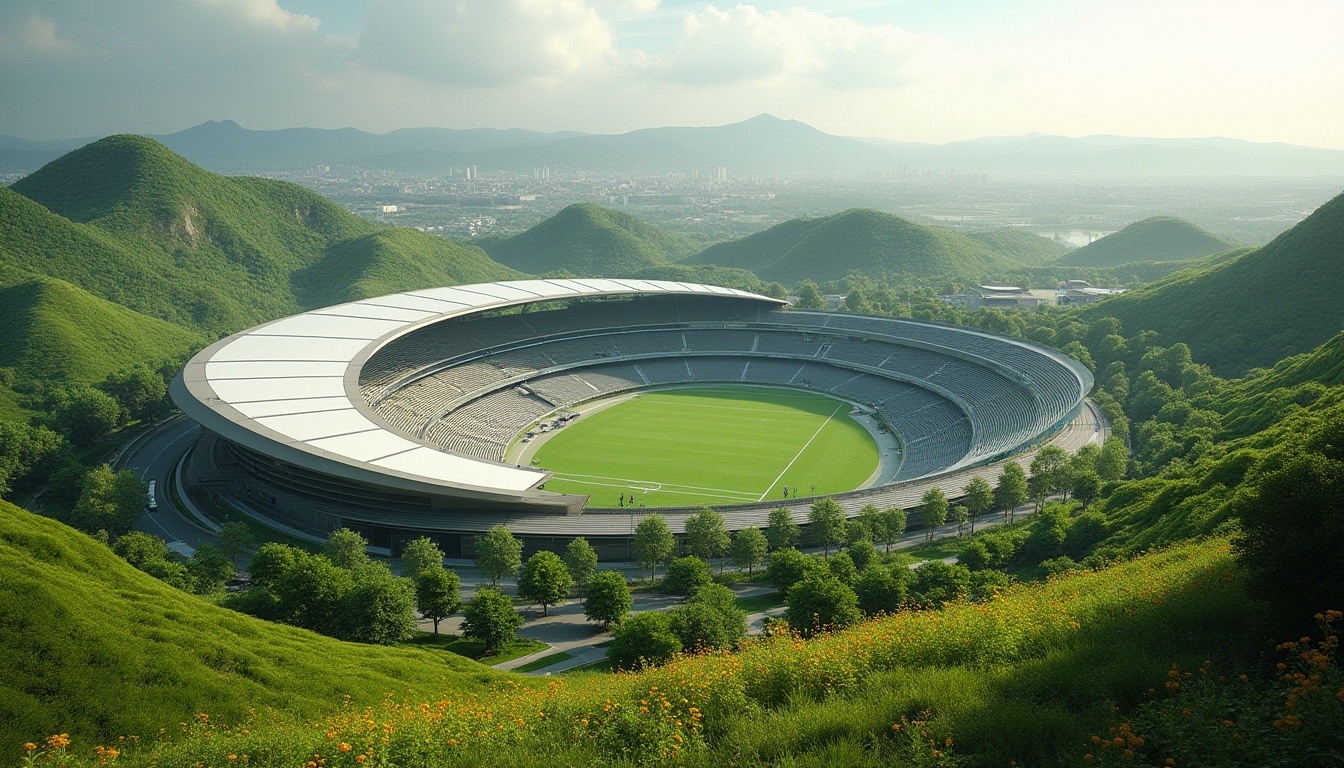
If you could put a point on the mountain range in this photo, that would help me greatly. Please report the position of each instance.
(763, 145)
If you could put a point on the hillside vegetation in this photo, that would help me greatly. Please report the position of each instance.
(1279, 300)
(129, 221)
(1160, 238)
(858, 240)
(1022, 247)
(57, 332)
(591, 241)
(92, 647)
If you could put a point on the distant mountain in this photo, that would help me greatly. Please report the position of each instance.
(131, 222)
(1020, 246)
(56, 332)
(857, 240)
(1278, 300)
(763, 145)
(589, 240)
(1160, 238)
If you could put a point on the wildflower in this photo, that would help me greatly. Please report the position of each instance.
(29, 747)
(344, 747)
(58, 741)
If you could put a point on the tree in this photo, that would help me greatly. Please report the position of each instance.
(862, 552)
(25, 451)
(932, 511)
(209, 568)
(979, 499)
(491, 619)
(810, 296)
(138, 548)
(749, 548)
(654, 543)
(1011, 491)
(937, 582)
(346, 549)
(420, 555)
(498, 554)
(1113, 461)
(686, 574)
(608, 598)
(309, 591)
(820, 602)
(1051, 465)
(709, 619)
(109, 501)
(437, 594)
(893, 526)
(843, 568)
(645, 639)
(1085, 532)
(1048, 531)
(960, 514)
(269, 562)
(379, 608)
(780, 530)
(581, 560)
(878, 590)
(235, 538)
(706, 536)
(788, 567)
(874, 525)
(1086, 487)
(826, 523)
(85, 415)
(140, 391)
(545, 579)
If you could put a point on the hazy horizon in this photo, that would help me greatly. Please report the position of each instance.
(908, 70)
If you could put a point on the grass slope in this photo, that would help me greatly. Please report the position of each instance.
(858, 240)
(391, 261)
(1160, 238)
(1020, 246)
(92, 647)
(1279, 300)
(589, 240)
(129, 221)
(57, 332)
(711, 445)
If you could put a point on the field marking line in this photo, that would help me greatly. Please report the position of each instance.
(654, 403)
(641, 483)
(804, 448)
(738, 498)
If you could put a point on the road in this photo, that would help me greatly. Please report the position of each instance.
(154, 457)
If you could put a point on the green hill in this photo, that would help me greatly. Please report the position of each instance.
(129, 221)
(1020, 246)
(390, 261)
(1278, 300)
(92, 647)
(590, 241)
(57, 332)
(1298, 382)
(1161, 238)
(857, 240)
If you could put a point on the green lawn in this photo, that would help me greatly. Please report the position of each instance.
(544, 661)
(711, 446)
(474, 649)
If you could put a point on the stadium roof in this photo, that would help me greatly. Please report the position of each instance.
(290, 387)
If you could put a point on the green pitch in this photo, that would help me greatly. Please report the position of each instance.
(711, 446)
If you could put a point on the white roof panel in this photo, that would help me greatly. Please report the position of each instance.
(246, 390)
(455, 296)
(272, 369)
(330, 326)
(309, 426)
(546, 287)
(278, 407)
(408, 301)
(446, 466)
(375, 313)
(252, 347)
(365, 446)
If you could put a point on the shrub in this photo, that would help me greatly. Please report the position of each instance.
(821, 602)
(644, 639)
(686, 574)
(608, 598)
(490, 618)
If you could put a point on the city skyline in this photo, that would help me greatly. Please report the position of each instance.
(906, 71)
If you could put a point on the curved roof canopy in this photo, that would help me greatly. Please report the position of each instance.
(290, 388)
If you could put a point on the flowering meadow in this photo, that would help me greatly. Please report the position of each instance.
(896, 689)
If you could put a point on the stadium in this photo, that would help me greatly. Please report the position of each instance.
(443, 412)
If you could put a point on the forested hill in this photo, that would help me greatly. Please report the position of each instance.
(857, 240)
(589, 240)
(1281, 299)
(1020, 245)
(129, 221)
(1160, 238)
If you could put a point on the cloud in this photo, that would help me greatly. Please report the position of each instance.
(484, 42)
(744, 44)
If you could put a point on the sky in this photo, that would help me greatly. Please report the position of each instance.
(909, 70)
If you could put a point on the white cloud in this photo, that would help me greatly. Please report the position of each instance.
(484, 42)
(744, 44)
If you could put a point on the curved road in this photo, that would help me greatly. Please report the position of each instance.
(154, 456)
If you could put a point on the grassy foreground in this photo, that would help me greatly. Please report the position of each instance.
(1025, 676)
(711, 445)
(92, 647)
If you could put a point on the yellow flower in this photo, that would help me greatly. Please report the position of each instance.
(29, 746)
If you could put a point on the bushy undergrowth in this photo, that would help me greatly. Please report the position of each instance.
(1017, 654)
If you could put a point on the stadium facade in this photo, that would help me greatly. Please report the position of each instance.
(395, 415)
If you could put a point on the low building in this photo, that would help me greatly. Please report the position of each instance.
(1008, 297)
(1083, 292)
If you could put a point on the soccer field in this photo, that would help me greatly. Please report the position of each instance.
(710, 446)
